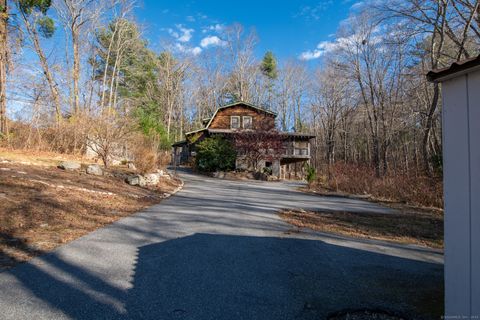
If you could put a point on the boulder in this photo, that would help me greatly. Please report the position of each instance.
(260, 176)
(95, 169)
(115, 162)
(152, 179)
(69, 165)
(131, 166)
(219, 174)
(136, 180)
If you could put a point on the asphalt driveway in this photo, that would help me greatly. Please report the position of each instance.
(217, 250)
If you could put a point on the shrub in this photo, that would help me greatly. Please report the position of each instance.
(145, 159)
(268, 170)
(215, 154)
(408, 187)
(310, 174)
(164, 159)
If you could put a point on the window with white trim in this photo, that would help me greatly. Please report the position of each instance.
(247, 122)
(234, 122)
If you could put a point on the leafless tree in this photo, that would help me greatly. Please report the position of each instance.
(108, 135)
(243, 68)
(3, 65)
(31, 23)
(77, 16)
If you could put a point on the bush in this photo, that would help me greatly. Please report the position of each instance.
(408, 188)
(310, 174)
(215, 154)
(268, 170)
(145, 159)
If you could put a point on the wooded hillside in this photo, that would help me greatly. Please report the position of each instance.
(73, 71)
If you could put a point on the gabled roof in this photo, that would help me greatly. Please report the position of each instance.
(229, 106)
(236, 104)
(455, 69)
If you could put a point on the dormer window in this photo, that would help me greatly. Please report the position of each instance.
(234, 122)
(247, 122)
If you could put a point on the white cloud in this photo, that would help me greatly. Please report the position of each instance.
(181, 33)
(196, 51)
(342, 43)
(214, 27)
(322, 48)
(211, 41)
(310, 55)
(188, 50)
(173, 33)
(186, 33)
(357, 5)
(314, 12)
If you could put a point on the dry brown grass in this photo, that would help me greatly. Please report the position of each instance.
(41, 158)
(44, 207)
(419, 227)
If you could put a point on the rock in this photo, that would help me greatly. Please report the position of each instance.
(260, 176)
(132, 180)
(272, 178)
(69, 165)
(152, 179)
(131, 166)
(94, 169)
(219, 174)
(115, 162)
(136, 180)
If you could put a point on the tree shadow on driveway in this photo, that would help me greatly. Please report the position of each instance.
(207, 276)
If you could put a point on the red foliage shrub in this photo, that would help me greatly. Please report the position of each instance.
(408, 188)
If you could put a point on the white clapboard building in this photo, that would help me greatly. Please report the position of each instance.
(461, 156)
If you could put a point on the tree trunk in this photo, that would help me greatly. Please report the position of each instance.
(428, 129)
(376, 155)
(76, 72)
(46, 69)
(3, 66)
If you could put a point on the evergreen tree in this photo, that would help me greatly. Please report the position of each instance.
(269, 70)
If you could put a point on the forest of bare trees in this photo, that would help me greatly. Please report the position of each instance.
(75, 69)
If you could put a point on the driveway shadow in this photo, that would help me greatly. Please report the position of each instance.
(206, 276)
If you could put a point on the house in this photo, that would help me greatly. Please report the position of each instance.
(461, 175)
(238, 118)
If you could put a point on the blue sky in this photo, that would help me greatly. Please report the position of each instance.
(288, 28)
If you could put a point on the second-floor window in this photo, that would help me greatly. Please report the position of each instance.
(234, 122)
(247, 122)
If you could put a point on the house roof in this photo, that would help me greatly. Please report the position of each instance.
(179, 143)
(236, 104)
(229, 106)
(455, 69)
(195, 131)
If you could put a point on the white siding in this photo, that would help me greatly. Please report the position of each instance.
(461, 128)
(474, 116)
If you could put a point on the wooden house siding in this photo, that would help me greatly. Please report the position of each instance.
(260, 120)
